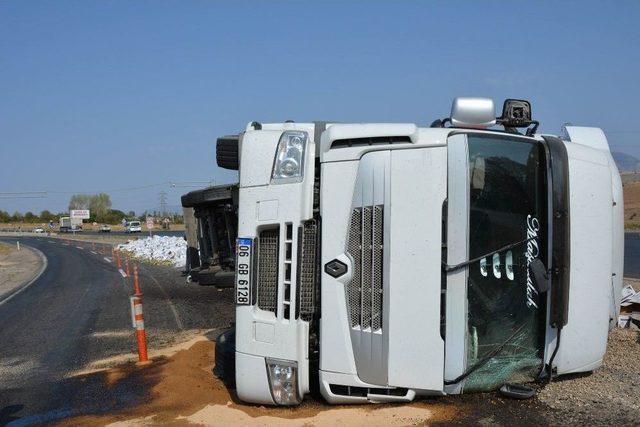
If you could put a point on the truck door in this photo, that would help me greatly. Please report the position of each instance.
(381, 258)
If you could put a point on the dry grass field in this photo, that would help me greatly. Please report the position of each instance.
(631, 189)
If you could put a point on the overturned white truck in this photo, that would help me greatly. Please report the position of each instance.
(380, 262)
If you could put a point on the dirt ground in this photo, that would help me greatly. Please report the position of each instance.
(183, 391)
(17, 267)
(632, 205)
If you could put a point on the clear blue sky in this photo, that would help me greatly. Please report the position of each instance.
(110, 94)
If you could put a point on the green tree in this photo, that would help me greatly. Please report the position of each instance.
(4, 216)
(16, 217)
(100, 204)
(30, 217)
(46, 216)
(79, 201)
(114, 216)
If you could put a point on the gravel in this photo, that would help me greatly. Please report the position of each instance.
(610, 395)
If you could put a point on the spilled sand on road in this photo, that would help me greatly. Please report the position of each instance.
(186, 339)
(187, 393)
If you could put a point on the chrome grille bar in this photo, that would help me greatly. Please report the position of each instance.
(365, 245)
(307, 270)
(268, 248)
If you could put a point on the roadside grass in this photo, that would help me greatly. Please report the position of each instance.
(632, 225)
(5, 248)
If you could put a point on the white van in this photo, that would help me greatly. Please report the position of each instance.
(133, 227)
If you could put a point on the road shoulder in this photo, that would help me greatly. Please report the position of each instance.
(18, 269)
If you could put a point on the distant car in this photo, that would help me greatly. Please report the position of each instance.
(104, 228)
(38, 230)
(133, 227)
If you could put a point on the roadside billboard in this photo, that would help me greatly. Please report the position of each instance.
(79, 213)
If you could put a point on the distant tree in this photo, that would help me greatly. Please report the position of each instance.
(114, 216)
(79, 201)
(46, 216)
(131, 214)
(100, 204)
(5, 216)
(30, 217)
(16, 217)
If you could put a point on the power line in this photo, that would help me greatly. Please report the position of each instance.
(20, 193)
(23, 197)
(171, 184)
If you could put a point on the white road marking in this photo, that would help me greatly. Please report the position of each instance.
(94, 252)
(122, 272)
(112, 334)
(50, 241)
(79, 247)
(169, 302)
(107, 259)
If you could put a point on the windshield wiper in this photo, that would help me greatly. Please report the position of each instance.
(449, 268)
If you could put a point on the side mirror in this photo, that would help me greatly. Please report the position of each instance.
(476, 113)
(540, 277)
(516, 113)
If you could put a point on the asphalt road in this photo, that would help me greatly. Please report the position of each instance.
(77, 312)
(632, 255)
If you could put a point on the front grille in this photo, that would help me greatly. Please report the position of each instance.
(307, 235)
(353, 391)
(365, 245)
(267, 289)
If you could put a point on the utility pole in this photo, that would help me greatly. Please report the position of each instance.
(163, 203)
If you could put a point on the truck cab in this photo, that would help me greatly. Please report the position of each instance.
(379, 262)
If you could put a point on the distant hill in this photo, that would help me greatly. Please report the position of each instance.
(626, 162)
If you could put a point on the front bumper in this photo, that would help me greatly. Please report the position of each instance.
(252, 383)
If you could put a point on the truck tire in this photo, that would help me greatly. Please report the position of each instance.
(225, 367)
(206, 277)
(225, 279)
(227, 156)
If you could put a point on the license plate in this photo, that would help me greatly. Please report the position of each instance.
(244, 248)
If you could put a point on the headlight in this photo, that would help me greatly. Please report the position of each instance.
(283, 381)
(288, 165)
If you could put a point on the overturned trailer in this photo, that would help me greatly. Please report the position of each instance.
(211, 219)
